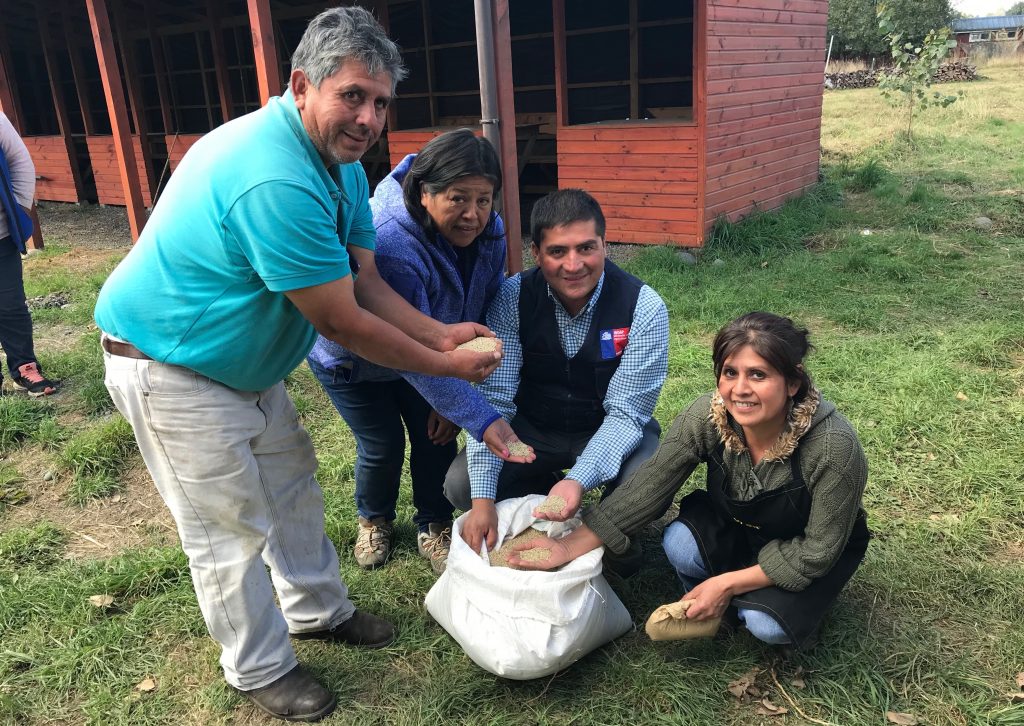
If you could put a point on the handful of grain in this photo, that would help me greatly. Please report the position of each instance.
(537, 554)
(552, 505)
(499, 557)
(517, 447)
(482, 344)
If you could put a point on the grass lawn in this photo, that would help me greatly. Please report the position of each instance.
(918, 316)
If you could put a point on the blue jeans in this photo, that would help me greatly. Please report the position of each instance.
(682, 551)
(375, 413)
(15, 321)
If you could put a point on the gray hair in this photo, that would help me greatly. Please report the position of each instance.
(346, 33)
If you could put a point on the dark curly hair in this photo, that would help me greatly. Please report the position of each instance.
(773, 337)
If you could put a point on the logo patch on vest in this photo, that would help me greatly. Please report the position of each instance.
(613, 342)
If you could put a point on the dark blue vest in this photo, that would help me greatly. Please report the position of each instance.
(19, 223)
(557, 393)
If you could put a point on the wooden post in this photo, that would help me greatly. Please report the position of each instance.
(77, 72)
(202, 79)
(561, 92)
(507, 131)
(12, 109)
(220, 63)
(634, 61)
(111, 77)
(268, 70)
(35, 242)
(156, 48)
(381, 8)
(428, 41)
(8, 92)
(134, 96)
(56, 89)
(700, 110)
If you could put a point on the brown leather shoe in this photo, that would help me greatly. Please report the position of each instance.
(362, 629)
(295, 696)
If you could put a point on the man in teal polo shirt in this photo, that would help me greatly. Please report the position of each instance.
(251, 251)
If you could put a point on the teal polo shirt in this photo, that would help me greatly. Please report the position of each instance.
(250, 213)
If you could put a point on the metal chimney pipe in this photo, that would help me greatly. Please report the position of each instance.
(488, 81)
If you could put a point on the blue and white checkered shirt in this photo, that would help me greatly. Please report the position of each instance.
(628, 404)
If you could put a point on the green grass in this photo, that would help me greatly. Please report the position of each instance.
(917, 318)
(21, 417)
(97, 457)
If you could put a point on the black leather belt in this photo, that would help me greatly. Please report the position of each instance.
(125, 350)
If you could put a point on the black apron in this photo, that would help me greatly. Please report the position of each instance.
(731, 533)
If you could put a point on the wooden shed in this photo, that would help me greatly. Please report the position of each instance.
(673, 113)
(988, 36)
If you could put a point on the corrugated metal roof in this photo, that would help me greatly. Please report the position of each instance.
(967, 25)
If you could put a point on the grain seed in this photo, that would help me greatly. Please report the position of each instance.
(482, 344)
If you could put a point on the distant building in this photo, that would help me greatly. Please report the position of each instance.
(973, 34)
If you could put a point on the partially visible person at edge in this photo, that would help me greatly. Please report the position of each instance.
(779, 530)
(17, 189)
(441, 246)
(586, 354)
(250, 252)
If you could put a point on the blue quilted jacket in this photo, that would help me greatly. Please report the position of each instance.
(424, 272)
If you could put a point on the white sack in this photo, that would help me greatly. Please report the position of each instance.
(525, 624)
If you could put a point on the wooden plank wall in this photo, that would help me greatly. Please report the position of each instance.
(177, 145)
(644, 175)
(55, 181)
(108, 176)
(765, 65)
(403, 143)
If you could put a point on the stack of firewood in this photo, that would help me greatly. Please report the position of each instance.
(854, 79)
(956, 71)
(953, 71)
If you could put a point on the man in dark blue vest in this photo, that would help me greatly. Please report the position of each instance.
(585, 355)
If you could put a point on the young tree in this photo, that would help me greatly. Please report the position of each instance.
(914, 67)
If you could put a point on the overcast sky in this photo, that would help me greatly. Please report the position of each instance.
(977, 8)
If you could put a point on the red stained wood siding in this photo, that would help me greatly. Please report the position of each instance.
(765, 64)
(107, 175)
(55, 181)
(177, 145)
(403, 143)
(644, 175)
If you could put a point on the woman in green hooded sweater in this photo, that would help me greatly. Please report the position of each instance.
(779, 529)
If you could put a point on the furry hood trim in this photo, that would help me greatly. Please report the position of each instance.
(801, 418)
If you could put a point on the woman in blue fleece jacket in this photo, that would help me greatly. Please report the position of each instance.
(441, 246)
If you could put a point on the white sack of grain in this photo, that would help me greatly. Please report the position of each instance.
(523, 624)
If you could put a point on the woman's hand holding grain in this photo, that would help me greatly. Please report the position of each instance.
(568, 491)
(557, 554)
(502, 441)
(710, 598)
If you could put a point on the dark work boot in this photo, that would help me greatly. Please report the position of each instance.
(295, 696)
(361, 629)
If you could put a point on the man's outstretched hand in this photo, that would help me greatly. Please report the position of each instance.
(456, 334)
(471, 365)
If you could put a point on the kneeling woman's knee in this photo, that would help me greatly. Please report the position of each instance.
(682, 551)
(764, 627)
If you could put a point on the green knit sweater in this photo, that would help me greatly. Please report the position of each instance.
(831, 460)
